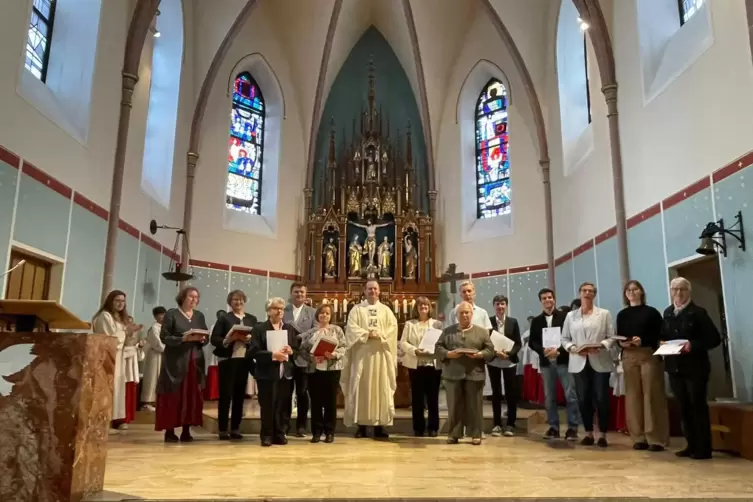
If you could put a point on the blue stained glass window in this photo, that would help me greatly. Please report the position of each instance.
(688, 8)
(492, 152)
(39, 36)
(245, 147)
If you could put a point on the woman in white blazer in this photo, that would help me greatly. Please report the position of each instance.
(425, 378)
(588, 336)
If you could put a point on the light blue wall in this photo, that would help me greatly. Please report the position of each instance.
(731, 195)
(646, 259)
(86, 261)
(564, 283)
(584, 270)
(41, 217)
(213, 288)
(127, 270)
(610, 287)
(524, 294)
(279, 288)
(255, 287)
(147, 294)
(8, 180)
(683, 224)
(489, 287)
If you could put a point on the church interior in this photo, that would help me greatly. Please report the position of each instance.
(255, 145)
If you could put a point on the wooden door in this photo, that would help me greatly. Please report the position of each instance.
(30, 281)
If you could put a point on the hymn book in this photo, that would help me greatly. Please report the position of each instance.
(239, 347)
(323, 345)
(587, 346)
(197, 332)
(466, 351)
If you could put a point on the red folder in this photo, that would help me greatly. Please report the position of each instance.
(323, 347)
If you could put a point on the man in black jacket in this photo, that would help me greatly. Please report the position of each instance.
(553, 364)
(502, 367)
(689, 371)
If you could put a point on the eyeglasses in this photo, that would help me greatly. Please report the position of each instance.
(591, 291)
(674, 290)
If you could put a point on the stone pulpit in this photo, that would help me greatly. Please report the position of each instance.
(55, 404)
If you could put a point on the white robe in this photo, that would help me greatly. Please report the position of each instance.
(105, 324)
(368, 379)
(153, 349)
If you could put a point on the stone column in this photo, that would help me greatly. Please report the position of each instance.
(129, 83)
(433, 203)
(544, 163)
(749, 12)
(610, 93)
(191, 160)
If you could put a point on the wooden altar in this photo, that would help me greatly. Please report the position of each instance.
(364, 222)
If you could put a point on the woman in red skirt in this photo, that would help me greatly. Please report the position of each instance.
(179, 400)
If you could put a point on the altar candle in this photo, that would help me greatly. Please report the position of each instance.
(405, 306)
(325, 301)
(336, 302)
(412, 303)
(345, 305)
(397, 309)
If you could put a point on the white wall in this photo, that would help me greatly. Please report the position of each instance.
(85, 164)
(700, 121)
(210, 241)
(527, 243)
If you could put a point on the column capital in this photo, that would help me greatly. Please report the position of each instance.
(191, 158)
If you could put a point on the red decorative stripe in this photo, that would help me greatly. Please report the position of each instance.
(563, 259)
(9, 158)
(643, 215)
(90, 206)
(246, 270)
(47, 180)
(606, 235)
(151, 243)
(686, 192)
(129, 229)
(733, 167)
(210, 264)
(491, 273)
(288, 277)
(530, 268)
(583, 248)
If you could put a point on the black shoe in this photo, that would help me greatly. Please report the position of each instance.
(587, 441)
(642, 445)
(236, 436)
(186, 438)
(655, 447)
(224, 436)
(361, 432)
(686, 453)
(432, 434)
(452, 440)
(602, 443)
(329, 438)
(380, 433)
(280, 440)
(266, 442)
(571, 435)
(701, 456)
(418, 434)
(552, 433)
(315, 438)
(170, 437)
(301, 432)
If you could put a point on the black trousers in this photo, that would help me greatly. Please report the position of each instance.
(592, 388)
(233, 378)
(300, 380)
(424, 391)
(273, 396)
(512, 393)
(323, 391)
(690, 391)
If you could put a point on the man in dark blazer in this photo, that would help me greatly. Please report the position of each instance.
(553, 364)
(302, 318)
(502, 367)
(690, 370)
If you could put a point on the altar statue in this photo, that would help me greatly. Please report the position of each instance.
(411, 258)
(330, 259)
(385, 255)
(370, 244)
(355, 255)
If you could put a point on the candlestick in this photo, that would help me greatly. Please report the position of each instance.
(405, 306)
(345, 306)
(336, 302)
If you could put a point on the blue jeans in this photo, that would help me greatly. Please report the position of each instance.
(551, 374)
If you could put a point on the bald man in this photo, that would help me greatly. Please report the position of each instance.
(463, 349)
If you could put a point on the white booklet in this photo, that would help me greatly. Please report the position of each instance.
(501, 342)
(551, 337)
(429, 341)
(670, 348)
(276, 340)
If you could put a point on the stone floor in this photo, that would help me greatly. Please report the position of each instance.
(141, 467)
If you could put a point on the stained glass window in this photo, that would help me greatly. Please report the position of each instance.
(40, 34)
(688, 8)
(245, 147)
(492, 152)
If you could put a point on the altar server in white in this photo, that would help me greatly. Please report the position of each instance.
(153, 349)
(369, 376)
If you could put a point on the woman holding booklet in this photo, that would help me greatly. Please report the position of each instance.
(588, 336)
(272, 348)
(419, 338)
(324, 346)
(179, 400)
(230, 337)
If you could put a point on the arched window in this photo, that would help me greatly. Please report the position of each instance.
(38, 41)
(246, 146)
(688, 8)
(492, 152)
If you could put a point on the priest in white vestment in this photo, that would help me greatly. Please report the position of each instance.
(368, 379)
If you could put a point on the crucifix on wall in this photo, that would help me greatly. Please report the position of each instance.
(452, 276)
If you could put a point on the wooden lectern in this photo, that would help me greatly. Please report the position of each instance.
(43, 315)
(56, 393)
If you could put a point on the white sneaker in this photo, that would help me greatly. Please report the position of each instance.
(123, 427)
(508, 432)
(496, 431)
(148, 407)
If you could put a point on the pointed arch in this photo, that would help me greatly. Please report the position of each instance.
(492, 152)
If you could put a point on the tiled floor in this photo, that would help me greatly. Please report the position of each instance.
(140, 466)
